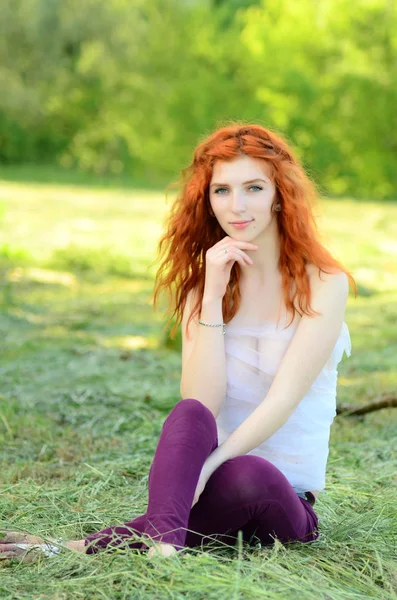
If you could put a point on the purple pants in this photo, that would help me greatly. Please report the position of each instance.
(246, 493)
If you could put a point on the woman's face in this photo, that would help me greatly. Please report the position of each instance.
(241, 190)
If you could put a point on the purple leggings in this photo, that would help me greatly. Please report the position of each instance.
(246, 493)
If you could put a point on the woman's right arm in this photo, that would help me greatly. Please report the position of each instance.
(203, 355)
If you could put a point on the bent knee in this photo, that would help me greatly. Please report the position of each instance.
(193, 409)
(251, 478)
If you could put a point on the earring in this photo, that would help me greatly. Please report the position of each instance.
(211, 212)
(277, 208)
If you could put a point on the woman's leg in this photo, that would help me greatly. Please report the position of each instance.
(120, 536)
(246, 492)
(188, 437)
(249, 493)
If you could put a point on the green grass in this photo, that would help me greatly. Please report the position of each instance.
(87, 380)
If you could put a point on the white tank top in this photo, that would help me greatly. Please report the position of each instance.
(300, 447)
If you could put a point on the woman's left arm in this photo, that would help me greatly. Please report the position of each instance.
(308, 352)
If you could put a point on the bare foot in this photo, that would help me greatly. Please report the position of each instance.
(161, 549)
(19, 537)
(17, 545)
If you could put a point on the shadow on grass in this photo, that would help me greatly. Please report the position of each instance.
(80, 309)
(85, 356)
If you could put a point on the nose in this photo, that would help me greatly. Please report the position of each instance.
(239, 203)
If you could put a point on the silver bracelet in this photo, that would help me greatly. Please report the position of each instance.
(214, 325)
(52, 549)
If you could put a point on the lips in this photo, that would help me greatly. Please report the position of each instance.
(243, 225)
(240, 222)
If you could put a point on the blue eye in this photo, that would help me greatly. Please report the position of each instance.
(252, 186)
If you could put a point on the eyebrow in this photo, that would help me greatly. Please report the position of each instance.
(244, 182)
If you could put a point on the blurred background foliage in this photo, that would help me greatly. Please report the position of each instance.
(129, 86)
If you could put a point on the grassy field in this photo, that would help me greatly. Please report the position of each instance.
(87, 379)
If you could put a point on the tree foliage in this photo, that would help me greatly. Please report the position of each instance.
(132, 85)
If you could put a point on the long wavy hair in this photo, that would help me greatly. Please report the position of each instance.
(190, 231)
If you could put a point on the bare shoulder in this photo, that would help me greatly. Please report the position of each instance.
(335, 283)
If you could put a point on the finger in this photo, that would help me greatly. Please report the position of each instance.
(235, 258)
(239, 255)
(245, 256)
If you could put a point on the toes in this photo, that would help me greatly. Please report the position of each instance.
(8, 551)
(7, 537)
(13, 548)
(18, 537)
(12, 537)
(18, 551)
(7, 556)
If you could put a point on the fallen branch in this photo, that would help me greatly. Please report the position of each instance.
(387, 401)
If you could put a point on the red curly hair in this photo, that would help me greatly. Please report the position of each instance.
(190, 231)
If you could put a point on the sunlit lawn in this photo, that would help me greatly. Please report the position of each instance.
(87, 381)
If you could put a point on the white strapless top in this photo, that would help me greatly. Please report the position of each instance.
(300, 447)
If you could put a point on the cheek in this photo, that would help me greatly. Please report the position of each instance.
(219, 208)
(213, 202)
(263, 210)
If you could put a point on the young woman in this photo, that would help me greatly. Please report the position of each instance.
(262, 304)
